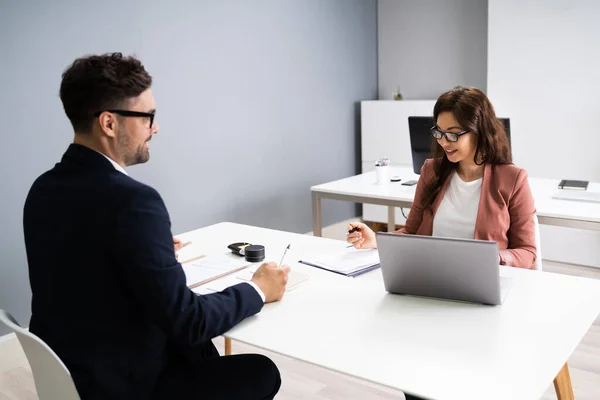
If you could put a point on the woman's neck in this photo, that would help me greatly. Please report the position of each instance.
(469, 171)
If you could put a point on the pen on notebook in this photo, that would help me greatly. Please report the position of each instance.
(284, 253)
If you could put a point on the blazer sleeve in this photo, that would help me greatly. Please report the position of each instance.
(157, 282)
(415, 216)
(521, 251)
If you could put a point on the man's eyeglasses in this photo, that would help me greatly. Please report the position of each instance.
(127, 113)
(450, 136)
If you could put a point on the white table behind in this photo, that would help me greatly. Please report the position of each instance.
(365, 185)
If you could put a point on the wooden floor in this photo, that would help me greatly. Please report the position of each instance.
(305, 381)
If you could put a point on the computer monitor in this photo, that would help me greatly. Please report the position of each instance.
(420, 139)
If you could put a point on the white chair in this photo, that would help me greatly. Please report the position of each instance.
(52, 378)
(538, 244)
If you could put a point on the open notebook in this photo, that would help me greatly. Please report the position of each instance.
(348, 261)
(295, 278)
(189, 253)
(210, 268)
(211, 274)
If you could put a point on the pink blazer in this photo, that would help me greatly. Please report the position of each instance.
(505, 215)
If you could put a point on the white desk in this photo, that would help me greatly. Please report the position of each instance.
(363, 189)
(436, 349)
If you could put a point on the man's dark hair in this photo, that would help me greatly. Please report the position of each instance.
(97, 83)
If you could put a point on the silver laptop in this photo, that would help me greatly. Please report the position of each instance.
(455, 269)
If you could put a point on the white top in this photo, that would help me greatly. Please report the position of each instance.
(424, 346)
(120, 169)
(457, 212)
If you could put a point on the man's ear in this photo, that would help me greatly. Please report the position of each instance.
(108, 124)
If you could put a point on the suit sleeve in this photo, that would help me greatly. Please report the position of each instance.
(157, 281)
(415, 216)
(521, 251)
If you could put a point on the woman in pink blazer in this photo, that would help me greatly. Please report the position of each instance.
(470, 188)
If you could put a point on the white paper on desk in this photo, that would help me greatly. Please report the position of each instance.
(245, 275)
(202, 290)
(211, 267)
(221, 284)
(189, 252)
(347, 260)
(294, 278)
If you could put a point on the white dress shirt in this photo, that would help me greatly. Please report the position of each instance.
(121, 169)
(113, 162)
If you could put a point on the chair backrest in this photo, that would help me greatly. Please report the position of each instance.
(538, 244)
(52, 378)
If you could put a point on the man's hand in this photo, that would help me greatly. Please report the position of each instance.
(271, 280)
(178, 244)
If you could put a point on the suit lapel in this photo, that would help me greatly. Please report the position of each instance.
(482, 210)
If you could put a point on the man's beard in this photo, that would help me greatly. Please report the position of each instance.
(131, 156)
(142, 154)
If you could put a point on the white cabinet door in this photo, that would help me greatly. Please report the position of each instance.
(424, 108)
(384, 128)
(385, 133)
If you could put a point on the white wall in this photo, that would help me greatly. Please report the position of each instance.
(543, 73)
(257, 102)
(429, 46)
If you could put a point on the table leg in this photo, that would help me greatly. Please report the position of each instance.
(316, 214)
(227, 346)
(391, 218)
(562, 384)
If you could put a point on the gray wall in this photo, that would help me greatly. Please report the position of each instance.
(429, 46)
(257, 101)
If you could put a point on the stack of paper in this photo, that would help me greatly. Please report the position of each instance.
(213, 267)
(349, 262)
(189, 253)
(295, 278)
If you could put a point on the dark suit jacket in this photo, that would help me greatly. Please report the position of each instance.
(109, 296)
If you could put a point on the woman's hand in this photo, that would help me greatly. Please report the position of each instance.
(361, 237)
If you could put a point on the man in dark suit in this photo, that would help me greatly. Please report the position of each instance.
(109, 296)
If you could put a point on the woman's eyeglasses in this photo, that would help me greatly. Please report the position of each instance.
(450, 136)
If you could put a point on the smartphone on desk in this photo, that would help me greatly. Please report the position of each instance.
(409, 183)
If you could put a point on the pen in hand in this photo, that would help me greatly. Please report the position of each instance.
(355, 229)
(284, 253)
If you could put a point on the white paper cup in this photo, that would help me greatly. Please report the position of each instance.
(383, 174)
